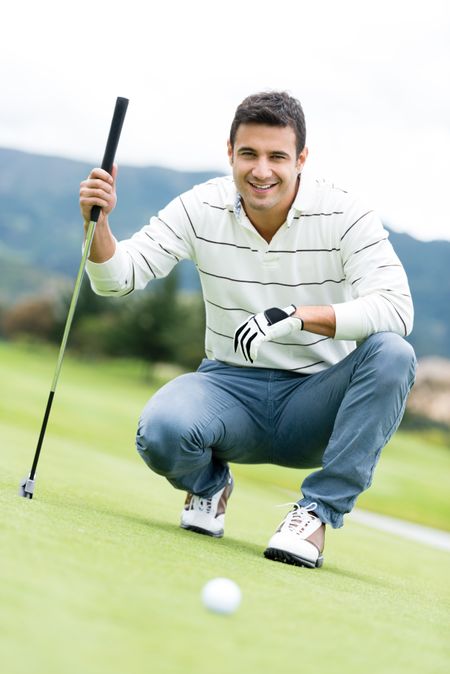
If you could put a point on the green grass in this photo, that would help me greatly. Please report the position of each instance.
(96, 576)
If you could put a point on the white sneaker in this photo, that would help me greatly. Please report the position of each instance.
(207, 515)
(299, 539)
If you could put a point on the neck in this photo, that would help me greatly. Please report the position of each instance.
(267, 223)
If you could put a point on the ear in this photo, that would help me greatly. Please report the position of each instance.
(230, 152)
(301, 159)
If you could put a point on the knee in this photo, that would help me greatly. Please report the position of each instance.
(395, 356)
(155, 440)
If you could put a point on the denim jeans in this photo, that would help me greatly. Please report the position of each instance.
(337, 421)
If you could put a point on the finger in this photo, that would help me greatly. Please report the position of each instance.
(236, 335)
(258, 325)
(242, 341)
(248, 347)
(96, 183)
(99, 191)
(101, 174)
(94, 201)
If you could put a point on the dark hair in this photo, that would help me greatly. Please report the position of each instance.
(274, 108)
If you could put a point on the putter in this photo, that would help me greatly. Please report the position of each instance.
(27, 485)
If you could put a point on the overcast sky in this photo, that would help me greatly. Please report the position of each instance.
(373, 78)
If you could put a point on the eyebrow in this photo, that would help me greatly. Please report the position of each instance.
(246, 148)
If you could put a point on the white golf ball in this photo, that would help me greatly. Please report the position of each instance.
(221, 595)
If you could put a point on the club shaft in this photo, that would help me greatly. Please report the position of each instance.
(41, 435)
(73, 303)
(107, 164)
(62, 349)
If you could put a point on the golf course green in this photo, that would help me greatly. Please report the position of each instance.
(97, 577)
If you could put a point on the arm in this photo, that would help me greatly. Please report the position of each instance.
(119, 268)
(381, 300)
(319, 320)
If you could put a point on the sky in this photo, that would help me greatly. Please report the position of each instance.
(373, 79)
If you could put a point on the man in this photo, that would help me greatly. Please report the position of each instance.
(306, 309)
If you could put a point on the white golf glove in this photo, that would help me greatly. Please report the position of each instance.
(263, 327)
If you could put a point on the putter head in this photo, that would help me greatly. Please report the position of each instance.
(26, 488)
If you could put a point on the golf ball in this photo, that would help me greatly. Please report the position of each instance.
(221, 595)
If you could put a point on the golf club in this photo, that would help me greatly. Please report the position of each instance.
(27, 485)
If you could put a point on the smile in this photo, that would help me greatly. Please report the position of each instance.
(262, 188)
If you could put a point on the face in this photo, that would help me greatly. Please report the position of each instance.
(266, 168)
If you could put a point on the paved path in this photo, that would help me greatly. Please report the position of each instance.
(416, 532)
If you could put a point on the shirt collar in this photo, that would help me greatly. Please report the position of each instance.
(305, 197)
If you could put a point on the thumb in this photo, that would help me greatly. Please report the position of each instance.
(283, 328)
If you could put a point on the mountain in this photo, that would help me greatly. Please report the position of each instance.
(41, 235)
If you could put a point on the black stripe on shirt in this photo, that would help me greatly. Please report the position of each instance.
(147, 262)
(322, 339)
(398, 314)
(271, 283)
(229, 308)
(391, 290)
(169, 227)
(316, 215)
(132, 278)
(307, 250)
(217, 243)
(219, 208)
(218, 333)
(383, 266)
(305, 367)
(355, 223)
(162, 247)
(375, 243)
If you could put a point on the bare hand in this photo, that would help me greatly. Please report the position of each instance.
(99, 189)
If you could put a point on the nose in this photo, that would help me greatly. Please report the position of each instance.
(261, 170)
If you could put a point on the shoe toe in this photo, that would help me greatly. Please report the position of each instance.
(295, 546)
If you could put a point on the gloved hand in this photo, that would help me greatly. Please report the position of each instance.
(263, 327)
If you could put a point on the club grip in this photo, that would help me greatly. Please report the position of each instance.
(112, 143)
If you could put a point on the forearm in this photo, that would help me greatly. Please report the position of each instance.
(319, 320)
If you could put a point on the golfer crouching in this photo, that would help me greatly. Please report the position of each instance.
(307, 306)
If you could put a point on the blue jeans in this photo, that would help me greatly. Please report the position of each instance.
(337, 421)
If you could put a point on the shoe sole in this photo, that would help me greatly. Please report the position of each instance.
(277, 555)
(205, 532)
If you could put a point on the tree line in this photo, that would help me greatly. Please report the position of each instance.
(159, 324)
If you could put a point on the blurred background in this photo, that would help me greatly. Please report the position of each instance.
(371, 77)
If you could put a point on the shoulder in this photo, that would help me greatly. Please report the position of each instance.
(215, 194)
(322, 195)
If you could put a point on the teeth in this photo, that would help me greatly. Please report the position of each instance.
(261, 187)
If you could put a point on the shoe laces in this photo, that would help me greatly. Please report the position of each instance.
(201, 504)
(299, 517)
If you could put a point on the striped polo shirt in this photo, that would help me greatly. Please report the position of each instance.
(332, 250)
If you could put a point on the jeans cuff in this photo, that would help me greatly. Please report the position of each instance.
(326, 515)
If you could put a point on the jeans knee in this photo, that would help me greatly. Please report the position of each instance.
(396, 356)
(154, 445)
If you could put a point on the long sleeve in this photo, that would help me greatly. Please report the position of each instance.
(382, 299)
(150, 253)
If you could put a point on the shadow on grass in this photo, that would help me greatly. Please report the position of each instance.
(171, 531)
(252, 550)
(170, 528)
(365, 578)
